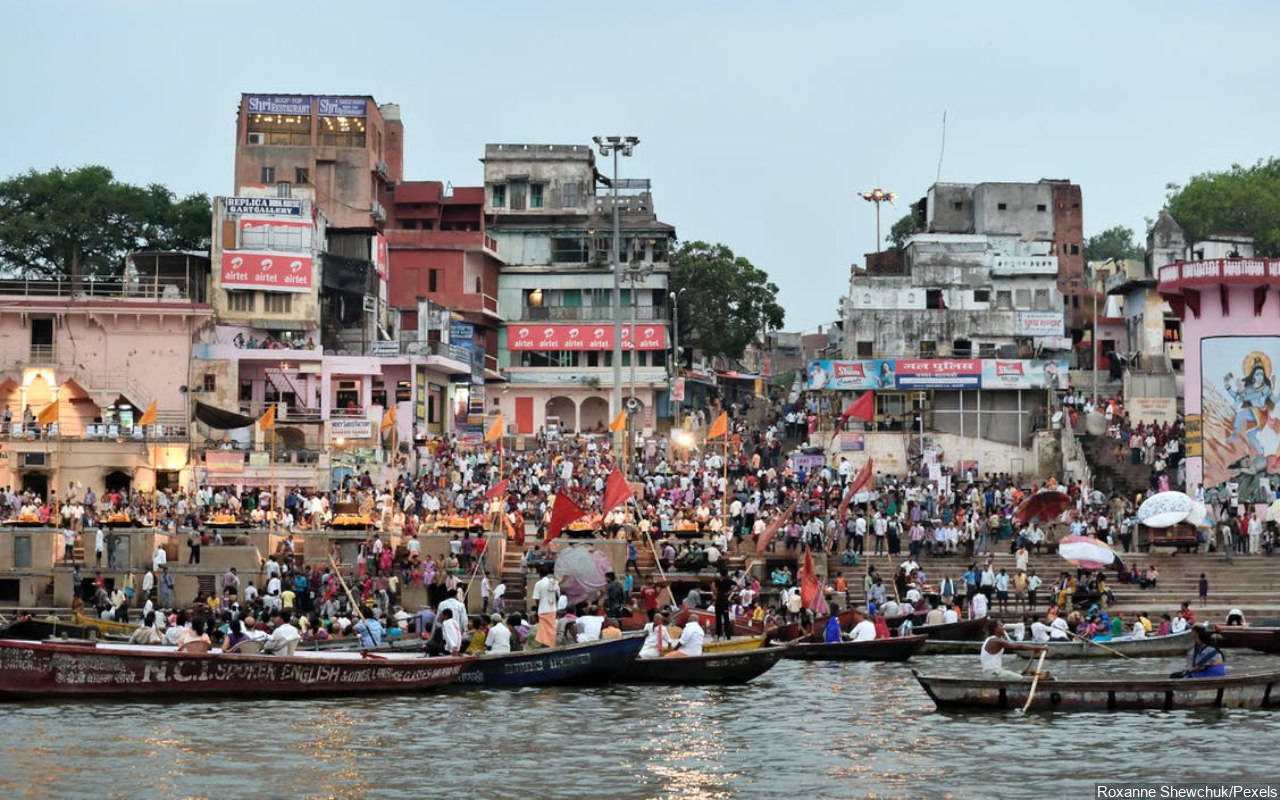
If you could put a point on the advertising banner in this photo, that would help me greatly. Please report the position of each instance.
(350, 428)
(280, 272)
(850, 375)
(677, 390)
(1040, 323)
(1022, 373)
(1160, 410)
(340, 106)
(584, 337)
(224, 462)
(262, 206)
(278, 104)
(1248, 271)
(938, 373)
(852, 442)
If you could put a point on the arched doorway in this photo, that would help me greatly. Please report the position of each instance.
(563, 408)
(117, 481)
(595, 415)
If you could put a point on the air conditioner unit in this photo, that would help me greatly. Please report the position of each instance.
(370, 304)
(383, 170)
(378, 212)
(257, 138)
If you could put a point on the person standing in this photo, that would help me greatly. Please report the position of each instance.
(546, 593)
(1255, 535)
(723, 589)
(1204, 589)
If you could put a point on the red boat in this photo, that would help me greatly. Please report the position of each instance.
(707, 619)
(1266, 640)
(50, 669)
(787, 632)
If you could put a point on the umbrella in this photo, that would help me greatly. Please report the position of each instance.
(580, 571)
(1199, 516)
(1166, 509)
(1086, 552)
(1273, 512)
(1044, 505)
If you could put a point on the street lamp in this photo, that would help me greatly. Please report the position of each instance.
(613, 146)
(675, 349)
(879, 196)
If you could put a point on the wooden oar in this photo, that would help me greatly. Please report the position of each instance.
(355, 607)
(1088, 642)
(1035, 681)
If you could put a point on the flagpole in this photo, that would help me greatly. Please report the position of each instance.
(724, 497)
(271, 489)
(155, 479)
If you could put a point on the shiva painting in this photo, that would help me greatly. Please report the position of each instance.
(1239, 395)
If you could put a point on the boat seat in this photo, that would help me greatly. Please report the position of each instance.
(247, 648)
(198, 646)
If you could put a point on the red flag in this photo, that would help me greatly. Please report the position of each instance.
(616, 491)
(771, 530)
(862, 408)
(563, 511)
(860, 480)
(811, 594)
(498, 489)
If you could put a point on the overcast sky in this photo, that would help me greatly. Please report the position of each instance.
(759, 122)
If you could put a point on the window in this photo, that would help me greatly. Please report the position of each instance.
(928, 348)
(404, 392)
(568, 251)
(1042, 300)
(433, 280)
(22, 552)
(499, 196)
(279, 129)
(1004, 300)
(933, 299)
(301, 175)
(535, 195)
(268, 174)
(210, 382)
(1075, 249)
(278, 302)
(958, 205)
(962, 348)
(1022, 298)
(1041, 207)
(982, 295)
(866, 349)
(246, 391)
(568, 195)
(986, 350)
(517, 190)
(342, 131)
(240, 301)
(1001, 206)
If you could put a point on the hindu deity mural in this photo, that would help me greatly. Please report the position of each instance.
(1239, 396)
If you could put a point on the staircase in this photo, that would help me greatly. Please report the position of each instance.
(1112, 476)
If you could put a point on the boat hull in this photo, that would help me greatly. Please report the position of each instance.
(1266, 640)
(49, 669)
(897, 648)
(711, 668)
(1257, 690)
(734, 645)
(965, 630)
(1176, 644)
(579, 665)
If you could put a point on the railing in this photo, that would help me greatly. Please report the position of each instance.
(43, 354)
(259, 458)
(95, 431)
(150, 287)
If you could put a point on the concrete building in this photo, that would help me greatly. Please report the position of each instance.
(553, 230)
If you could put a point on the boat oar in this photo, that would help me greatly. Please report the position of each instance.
(1035, 681)
(355, 607)
(1088, 642)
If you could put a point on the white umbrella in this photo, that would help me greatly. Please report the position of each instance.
(1273, 511)
(1165, 509)
(1199, 516)
(1086, 552)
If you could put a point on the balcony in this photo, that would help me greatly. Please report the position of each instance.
(142, 287)
(43, 355)
(173, 431)
(591, 313)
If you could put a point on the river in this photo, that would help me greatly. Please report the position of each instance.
(804, 730)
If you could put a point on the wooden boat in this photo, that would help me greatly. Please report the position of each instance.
(104, 626)
(722, 668)
(742, 626)
(735, 645)
(577, 664)
(1244, 690)
(965, 630)
(51, 669)
(37, 628)
(1266, 640)
(895, 648)
(1176, 644)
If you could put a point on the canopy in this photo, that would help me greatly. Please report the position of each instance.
(221, 419)
(1166, 509)
(1044, 505)
(1086, 552)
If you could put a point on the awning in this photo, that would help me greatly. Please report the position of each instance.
(221, 419)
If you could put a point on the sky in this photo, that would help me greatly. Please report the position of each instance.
(760, 123)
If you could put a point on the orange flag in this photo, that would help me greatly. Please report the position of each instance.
(388, 419)
(563, 512)
(720, 427)
(268, 420)
(49, 415)
(616, 491)
(619, 423)
(495, 430)
(149, 416)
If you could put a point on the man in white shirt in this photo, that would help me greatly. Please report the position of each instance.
(499, 591)
(546, 593)
(864, 630)
(978, 606)
(1058, 628)
(690, 643)
(498, 640)
(284, 638)
(656, 639)
(159, 559)
(458, 608)
(1039, 631)
(589, 626)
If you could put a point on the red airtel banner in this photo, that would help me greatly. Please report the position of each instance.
(587, 336)
(280, 272)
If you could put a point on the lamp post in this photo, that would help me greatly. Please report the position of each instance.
(613, 145)
(675, 327)
(879, 196)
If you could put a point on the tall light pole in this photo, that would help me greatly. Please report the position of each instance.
(675, 327)
(613, 145)
(879, 196)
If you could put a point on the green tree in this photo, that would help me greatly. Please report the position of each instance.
(1238, 199)
(83, 222)
(728, 300)
(901, 231)
(1117, 242)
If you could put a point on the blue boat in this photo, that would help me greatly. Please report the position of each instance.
(576, 664)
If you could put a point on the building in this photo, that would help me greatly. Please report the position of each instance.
(555, 291)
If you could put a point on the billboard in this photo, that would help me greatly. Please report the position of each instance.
(586, 336)
(1238, 395)
(850, 442)
(850, 375)
(1040, 323)
(1160, 410)
(340, 106)
(1023, 373)
(279, 272)
(938, 373)
(278, 104)
(224, 462)
(350, 428)
(273, 206)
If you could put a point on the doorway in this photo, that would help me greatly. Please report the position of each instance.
(117, 481)
(37, 483)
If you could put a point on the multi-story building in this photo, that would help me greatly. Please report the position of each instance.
(555, 291)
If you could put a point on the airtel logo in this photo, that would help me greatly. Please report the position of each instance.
(599, 333)
(237, 262)
(549, 332)
(626, 333)
(265, 263)
(295, 265)
(573, 333)
(523, 333)
(648, 333)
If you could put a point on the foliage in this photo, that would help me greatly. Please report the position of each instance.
(728, 300)
(1239, 199)
(1117, 242)
(59, 222)
(902, 230)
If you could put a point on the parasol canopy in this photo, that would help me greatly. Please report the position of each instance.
(1199, 516)
(580, 571)
(1086, 552)
(1044, 505)
(1166, 509)
(1273, 511)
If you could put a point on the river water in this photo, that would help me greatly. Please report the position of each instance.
(804, 729)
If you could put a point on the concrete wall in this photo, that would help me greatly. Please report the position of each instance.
(1021, 216)
(943, 214)
(889, 454)
(1000, 420)
(552, 165)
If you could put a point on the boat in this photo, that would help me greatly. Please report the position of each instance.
(738, 667)
(104, 627)
(1175, 644)
(36, 628)
(1243, 690)
(53, 669)
(576, 664)
(967, 630)
(735, 645)
(895, 648)
(742, 626)
(1265, 639)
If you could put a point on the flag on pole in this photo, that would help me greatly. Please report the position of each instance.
(498, 489)
(268, 420)
(616, 491)
(49, 415)
(720, 427)
(811, 594)
(862, 408)
(771, 530)
(856, 485)
(495, 430)
(388, 419)
(563, 512)
(619, 423)
(149, 416)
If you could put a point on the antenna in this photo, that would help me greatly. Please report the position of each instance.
(943, 149)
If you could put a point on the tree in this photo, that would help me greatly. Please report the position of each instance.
(728, 300)
(1239, 199)
(1116, 242)
(901, 231)
(83, 222)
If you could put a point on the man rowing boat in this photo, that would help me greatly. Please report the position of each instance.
(990, 658)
